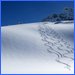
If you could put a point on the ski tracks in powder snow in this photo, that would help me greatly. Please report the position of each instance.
(56, 44)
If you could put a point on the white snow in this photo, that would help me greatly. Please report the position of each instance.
(25, 49)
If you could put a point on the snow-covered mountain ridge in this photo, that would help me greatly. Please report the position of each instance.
(38, 48)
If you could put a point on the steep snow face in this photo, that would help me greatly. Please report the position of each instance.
(37, 48)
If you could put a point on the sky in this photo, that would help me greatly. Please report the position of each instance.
(20, 12)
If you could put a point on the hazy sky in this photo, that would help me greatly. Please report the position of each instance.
(15, 12)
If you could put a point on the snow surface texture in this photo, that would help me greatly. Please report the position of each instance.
(41, 48)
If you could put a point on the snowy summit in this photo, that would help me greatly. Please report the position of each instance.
(38, 48)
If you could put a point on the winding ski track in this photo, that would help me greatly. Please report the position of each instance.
(55, 44)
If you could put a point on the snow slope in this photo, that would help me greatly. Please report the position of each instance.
(41, 48)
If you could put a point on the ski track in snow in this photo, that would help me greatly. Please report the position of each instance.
(56, 43)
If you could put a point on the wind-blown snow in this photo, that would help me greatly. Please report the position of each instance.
(39, 48)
